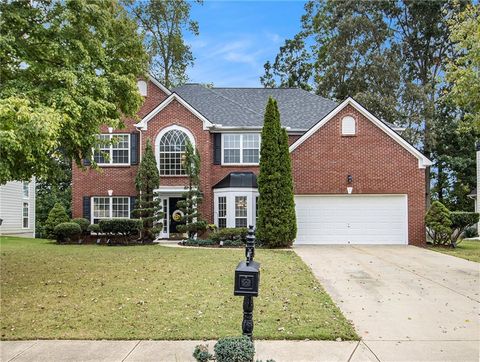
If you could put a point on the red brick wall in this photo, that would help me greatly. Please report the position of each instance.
(120, 179)
(321, 164)
(377, 163)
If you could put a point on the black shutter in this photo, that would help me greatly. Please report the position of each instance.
(134, 147)
(86, 207)
(133, 201)
(217, 148)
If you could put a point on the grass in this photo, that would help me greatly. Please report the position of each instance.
(51, 291)
(467, 249)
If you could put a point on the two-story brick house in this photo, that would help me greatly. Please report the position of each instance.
(356, 180)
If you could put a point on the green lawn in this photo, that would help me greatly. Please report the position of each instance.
(51, 291)
(467, 249)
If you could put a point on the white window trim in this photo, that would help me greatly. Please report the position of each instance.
(28, 215)
(110, 208)
(345, 129)
(230, 194)
(241, 163)
(157, 144)
(111, 148)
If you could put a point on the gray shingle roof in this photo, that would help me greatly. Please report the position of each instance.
(245, 107)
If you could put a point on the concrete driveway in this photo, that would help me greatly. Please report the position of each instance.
(407, 303)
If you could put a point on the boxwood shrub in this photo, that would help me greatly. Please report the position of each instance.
(229, 234)
(238, 242)
(198, 242)
(124, 227)
(66, 232)
(94, 228)
(83, 223)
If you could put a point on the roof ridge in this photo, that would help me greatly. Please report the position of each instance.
(235, 102)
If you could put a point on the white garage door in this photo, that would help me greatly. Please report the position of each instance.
(351, 219)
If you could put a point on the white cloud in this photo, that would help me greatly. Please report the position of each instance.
(231, 59)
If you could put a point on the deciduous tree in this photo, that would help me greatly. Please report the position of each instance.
(67, 68)
(164, 23)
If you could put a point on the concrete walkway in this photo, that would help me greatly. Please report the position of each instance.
(144, 351)
(407, 303)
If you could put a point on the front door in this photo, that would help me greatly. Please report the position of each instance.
(175, 215)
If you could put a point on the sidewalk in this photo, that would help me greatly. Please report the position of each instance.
(176, 351)
(280, 351)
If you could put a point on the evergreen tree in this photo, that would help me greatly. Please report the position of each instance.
(56, 216)
(148, 207)
(193, 196)
(287, 201)
(276, 214)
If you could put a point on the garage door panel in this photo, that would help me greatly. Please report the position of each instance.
(352, 219)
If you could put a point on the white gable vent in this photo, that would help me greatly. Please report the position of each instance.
(142, 87)
(348, 126)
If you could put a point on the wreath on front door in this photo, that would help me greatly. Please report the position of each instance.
(177, 215)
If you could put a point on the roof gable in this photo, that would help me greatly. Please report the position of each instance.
(143, 124)
(422, 160)
(164, 89)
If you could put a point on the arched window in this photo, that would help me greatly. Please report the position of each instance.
(171, 150)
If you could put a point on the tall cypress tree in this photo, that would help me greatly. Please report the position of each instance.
(148, 207)
(269, 178)
(287, 202)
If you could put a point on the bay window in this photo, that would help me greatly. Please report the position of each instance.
(222, 212)
(235, 207)
(240, 211)
(106, 207)
(112, 149)
(240, 148)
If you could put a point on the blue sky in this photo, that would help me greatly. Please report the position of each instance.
(238, 37)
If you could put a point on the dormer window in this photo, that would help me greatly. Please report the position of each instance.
(142, 88)
(348, 126)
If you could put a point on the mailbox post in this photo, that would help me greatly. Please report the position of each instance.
(247, 279)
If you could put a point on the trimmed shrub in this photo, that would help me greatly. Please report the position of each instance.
(461, 221)
(229, 234)
(124, 227)
(201, 354)
(198, 242)
(470, 232)
(439, 224)
(83, 223)
(67, 231)
(238, 242)
(57, 215)
(94, 228)
(234, 349)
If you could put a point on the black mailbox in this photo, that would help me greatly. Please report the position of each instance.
(247, 278)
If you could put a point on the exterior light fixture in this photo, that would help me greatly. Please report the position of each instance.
(110, 129)
(349, 182)
(110, 192)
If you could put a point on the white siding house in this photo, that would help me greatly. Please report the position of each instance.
(17, 208)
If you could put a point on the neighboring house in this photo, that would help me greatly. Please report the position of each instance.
(17, 208)
(356, 180)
